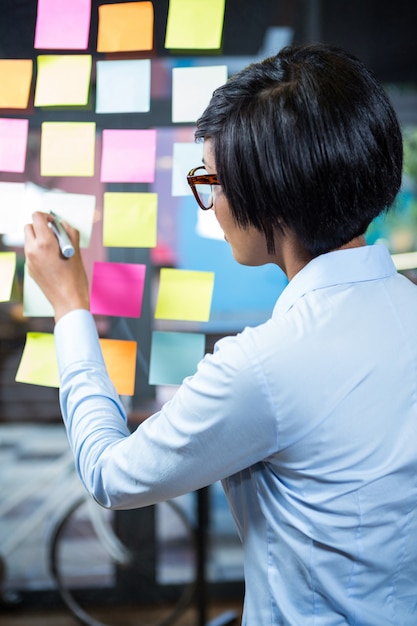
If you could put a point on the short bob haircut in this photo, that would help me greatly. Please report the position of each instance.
(307, 140)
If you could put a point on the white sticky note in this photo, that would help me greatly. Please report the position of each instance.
(13, 212)
(192, 88)
(75, 208)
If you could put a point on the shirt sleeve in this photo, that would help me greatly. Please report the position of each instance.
(208, 431)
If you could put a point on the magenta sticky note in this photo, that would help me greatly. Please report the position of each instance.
(128, 156)
(13, 144)
(63, 24)
(117, 289)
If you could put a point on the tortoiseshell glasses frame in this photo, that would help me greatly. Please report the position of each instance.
(202, 179)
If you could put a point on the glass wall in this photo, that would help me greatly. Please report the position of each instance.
(48, 534)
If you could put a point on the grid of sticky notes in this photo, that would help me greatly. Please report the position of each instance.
(65, 76)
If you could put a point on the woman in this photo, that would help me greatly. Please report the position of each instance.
(309, 419)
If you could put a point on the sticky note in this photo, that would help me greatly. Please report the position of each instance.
(22, 199)
(120, 359)
(35, 303)
(123, 86)
(130, 219)
(13, 144)
(128, 156)
(185, 156)
(63, 24)
(15, 81)
(124, 27)
(192, 88)
(13, 216)
(67, 148)
(117, 289)
(7, 274)
(38, 365)
(184, 295)
(75, 208)
(207, 225)
(63, 80)
(196, 25)
(174, 356)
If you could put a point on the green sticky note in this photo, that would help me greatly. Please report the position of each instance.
(7, 274)
(38, 365)
(63, 80)
(35, 303)
(130, 219)
(174, 356)
(68, 148)
(184, 295)
(195, 24)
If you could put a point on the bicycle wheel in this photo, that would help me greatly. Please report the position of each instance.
(84, 553)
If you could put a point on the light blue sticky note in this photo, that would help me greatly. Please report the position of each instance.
(35, 303)
(174, 356)
(123, 86)
(185, 156)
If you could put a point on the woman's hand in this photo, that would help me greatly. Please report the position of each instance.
(63, 281)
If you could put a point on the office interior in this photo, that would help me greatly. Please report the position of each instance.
(185, 556)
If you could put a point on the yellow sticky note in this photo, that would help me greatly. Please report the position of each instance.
(68, 148)
(196, 24)
(63, 79)
(123, 27)
(38, 365)
(7, 273)
(130, 219)
(184, 295)
(15, 81)
(120, 359)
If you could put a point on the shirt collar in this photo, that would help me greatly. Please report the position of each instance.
(350, 265)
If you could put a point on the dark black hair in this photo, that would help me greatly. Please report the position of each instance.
(306, 139)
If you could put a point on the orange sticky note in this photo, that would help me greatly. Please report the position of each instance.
(120, 358)
(123, 27)
(15, 81)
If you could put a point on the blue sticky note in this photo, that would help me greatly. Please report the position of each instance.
(123, 86)
(174, 356)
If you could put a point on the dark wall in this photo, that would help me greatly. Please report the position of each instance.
(383, 33)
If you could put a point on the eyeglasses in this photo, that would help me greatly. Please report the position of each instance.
(201, 186)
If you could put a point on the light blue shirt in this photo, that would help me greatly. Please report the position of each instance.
(310, 420)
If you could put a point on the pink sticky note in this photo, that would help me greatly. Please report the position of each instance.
(128, 156)
(63, 24)
(117, 289)
(13, 144)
